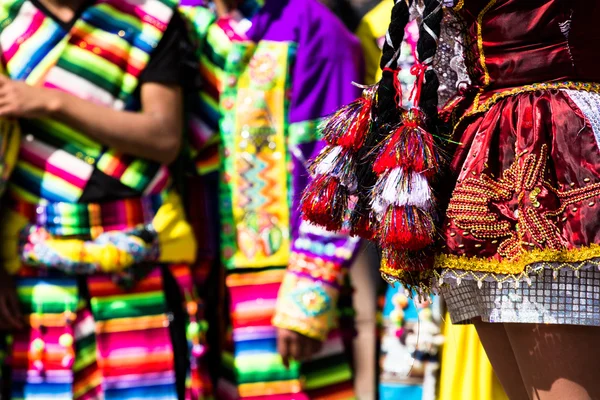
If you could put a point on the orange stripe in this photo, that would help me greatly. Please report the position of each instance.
(83, 386)
(132, 324)
(272, 388)
(208, 76)
(254, 279)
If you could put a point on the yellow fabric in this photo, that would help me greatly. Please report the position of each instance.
(175, 235)
(466, 372)
(373, 27)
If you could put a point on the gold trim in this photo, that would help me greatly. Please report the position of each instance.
(486, 73)
(519, 266)
(459, 5)
(496, 97)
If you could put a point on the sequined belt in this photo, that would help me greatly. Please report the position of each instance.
(90, 219)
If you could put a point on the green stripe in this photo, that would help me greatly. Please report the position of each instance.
(130, 305)
(328, 377)
(92, 68)
(85, 350)
(264, 368)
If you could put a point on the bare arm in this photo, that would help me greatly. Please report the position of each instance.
(153, 133)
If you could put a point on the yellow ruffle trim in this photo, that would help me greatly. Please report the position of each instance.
(517, 269)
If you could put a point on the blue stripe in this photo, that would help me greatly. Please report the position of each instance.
(162, 392)
(22, 72)
(133, 34)
(260, 346)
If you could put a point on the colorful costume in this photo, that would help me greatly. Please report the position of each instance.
(97, 239)
(274, 75)
(521, 223)
(519, 227)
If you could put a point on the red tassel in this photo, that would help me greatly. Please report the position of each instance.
(410, 148)
(399, 261)
(354, 137)
(349, 126)
(362, 225)
(407, 228)
(325, 202)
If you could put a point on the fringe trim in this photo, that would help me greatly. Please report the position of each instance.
(519, 265)
(583, 259)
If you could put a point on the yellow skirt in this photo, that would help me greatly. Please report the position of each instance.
(466, 372)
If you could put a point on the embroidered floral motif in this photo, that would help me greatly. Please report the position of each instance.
(312, 301)
(475, 201)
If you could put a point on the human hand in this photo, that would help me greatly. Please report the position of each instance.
(296, 346)
(11, 318)
(19, 100)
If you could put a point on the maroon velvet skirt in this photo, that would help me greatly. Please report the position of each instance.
(524, 213)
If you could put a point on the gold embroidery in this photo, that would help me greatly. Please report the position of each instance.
(473, 200)
(486, 74)
(459, 5)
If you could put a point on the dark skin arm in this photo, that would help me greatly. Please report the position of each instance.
(154, 133)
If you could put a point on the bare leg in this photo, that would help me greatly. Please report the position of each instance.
(557, 361)
(365, 277)
(500, 352)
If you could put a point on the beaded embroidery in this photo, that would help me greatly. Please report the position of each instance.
(533, 237)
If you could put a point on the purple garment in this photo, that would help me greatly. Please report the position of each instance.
(328, 60)
(192, 3)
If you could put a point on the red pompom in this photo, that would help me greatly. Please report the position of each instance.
(325, 202)
(406, 228)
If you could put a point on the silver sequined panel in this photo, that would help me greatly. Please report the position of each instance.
(566, 300)
(589, 104)
(449, 61)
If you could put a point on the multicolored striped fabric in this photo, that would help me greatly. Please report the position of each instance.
(118, 348)
(253, 368)
(90, 219)
(98, 59)
(101, 336)
(259, 91)
(212, 46)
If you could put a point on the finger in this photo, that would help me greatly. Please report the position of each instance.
(283, 348)
(314, 348)
(295, 347)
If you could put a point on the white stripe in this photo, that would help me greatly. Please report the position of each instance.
(154, 8)
(59, 158)
(17, 28)
(79, 87)
(160, 174)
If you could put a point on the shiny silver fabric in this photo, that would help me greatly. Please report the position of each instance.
(552, 298)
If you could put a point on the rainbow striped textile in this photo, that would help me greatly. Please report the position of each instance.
(98, 59)
(112, 344)
(252, 367)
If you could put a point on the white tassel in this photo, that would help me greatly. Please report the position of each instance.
(395, 188)
(328, 163)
